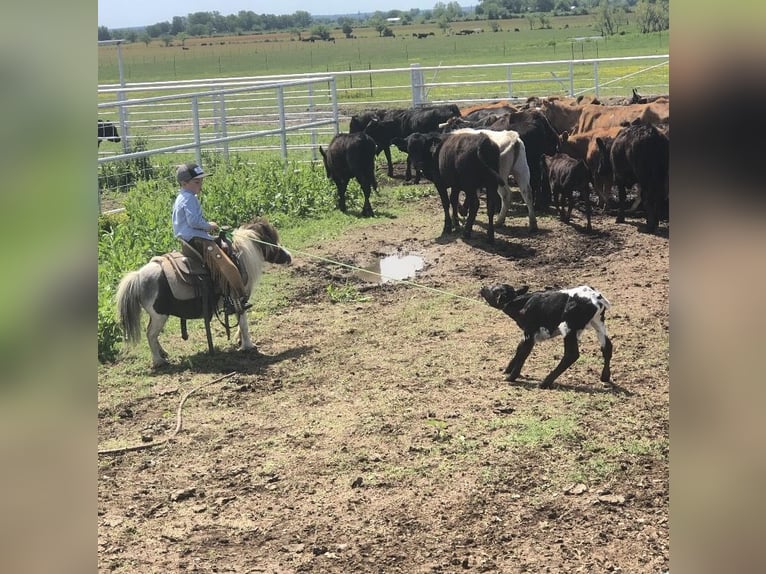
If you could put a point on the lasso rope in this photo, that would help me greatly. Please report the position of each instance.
(179, 422)
(381, 275)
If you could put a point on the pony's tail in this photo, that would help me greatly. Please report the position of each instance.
(129, 306)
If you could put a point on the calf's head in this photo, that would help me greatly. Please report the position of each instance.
(501, 294)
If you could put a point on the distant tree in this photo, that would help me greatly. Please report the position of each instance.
(531, 18)
(178, 25)
(181, 37)
(321, 31)
(145, 38)
(130, 36)
(443, 23)
(103, 33)
(387, 32)
(301, 19)
(652, 16)
(346, 28)
(454, 11)
(167, 39)
(606, 19)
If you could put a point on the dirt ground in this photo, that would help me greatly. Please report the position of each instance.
(376, 433)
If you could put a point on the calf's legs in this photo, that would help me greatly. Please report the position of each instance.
(513, 370)
(571, 354)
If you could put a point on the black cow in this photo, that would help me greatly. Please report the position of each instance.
(459, 162)
(399, 123)
(351, 156)
(561, 175)
(107, 131)
(539, 138)
(640, 154)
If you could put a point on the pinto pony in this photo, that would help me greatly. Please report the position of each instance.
(155, 288)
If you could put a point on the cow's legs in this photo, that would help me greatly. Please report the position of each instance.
(445, 199)
(620, 203)
(606, 348)
(492, 198)
(387, 152)
(367, 209)
(585, 195)
(473, 208)
(513, 370)
(153, 330)
(342, 185)
(571, 354)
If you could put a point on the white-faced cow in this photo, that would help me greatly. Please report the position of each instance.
(539, 138)
(513, 161)
(351, 156)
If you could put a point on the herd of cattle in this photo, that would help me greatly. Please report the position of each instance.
(551, 147)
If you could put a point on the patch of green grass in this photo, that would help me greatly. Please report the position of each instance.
(534, 430)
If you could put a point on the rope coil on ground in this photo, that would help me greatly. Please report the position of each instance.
(179, 421)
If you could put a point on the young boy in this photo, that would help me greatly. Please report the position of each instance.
(190, 225)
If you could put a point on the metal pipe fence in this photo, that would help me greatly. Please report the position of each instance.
(287, 115)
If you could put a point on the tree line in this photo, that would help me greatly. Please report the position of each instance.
(609, 17)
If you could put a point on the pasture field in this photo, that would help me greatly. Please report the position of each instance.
(372, 431)
(282, 53)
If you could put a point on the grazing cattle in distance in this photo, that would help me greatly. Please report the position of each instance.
(464, 162)
(480, 111)
(543, 315)
(513, 161)
(351, 156)
(107, 131)
(584, 146)
(539, 138)
(399, 123)
(561, 175)
(640, 154)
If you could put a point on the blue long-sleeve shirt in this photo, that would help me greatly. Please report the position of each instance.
(188, 220)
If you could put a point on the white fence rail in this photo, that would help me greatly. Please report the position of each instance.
(289, 114)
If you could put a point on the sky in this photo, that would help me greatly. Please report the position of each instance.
(129, 13)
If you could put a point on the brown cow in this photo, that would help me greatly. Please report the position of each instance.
(592, 117)
(583, 146)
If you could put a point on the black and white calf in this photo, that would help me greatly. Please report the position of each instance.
(546, 314)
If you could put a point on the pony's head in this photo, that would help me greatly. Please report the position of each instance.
(266, 237)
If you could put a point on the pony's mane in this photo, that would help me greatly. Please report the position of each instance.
(250, 252)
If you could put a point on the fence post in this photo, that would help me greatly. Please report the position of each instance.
(121, 98)
(312, 119)
(510, 83)
(224, 131)
(595, 76)
(282, 122)
(334, 96)
(571, 79)
(195, 122)
(416, 75)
